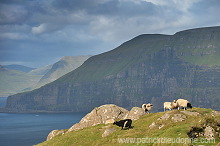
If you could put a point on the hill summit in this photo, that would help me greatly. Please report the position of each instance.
(150, 68)
(195, 126)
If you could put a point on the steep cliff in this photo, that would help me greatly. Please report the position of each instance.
(149, 68)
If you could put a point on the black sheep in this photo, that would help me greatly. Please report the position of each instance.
(123, 123)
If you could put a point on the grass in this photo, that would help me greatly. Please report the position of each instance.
(140, 132)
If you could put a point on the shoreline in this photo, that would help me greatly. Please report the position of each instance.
(5, 110)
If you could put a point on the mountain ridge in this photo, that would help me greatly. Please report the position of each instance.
(19, 67)
(148, 68)
(62, 67)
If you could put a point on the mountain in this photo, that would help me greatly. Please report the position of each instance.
(60, 68)
(150, 68)
(18, 67)
(41, 71)
(13, 81)
(198, 126)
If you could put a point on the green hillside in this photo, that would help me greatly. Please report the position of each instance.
(13, 81)
(150, 68)
(171, 133)
(62, 67)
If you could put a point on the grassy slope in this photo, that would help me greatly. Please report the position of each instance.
(116, 60)
(13, 81)
(93, 135)
(200, 46)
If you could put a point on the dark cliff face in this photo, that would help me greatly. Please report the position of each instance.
(148, 68)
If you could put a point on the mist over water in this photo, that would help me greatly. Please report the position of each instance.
(31, 129)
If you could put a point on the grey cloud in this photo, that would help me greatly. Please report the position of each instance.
(11, 14)
(71, 27)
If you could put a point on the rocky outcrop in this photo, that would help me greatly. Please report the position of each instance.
(209, 132)
(178, 117)
(54, 133)
(105, 114)
(166, 116)
(170, 115)
(190, 113)
(135, 113)
(100, 115)
(108, 131)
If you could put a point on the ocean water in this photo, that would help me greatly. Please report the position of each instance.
(31, 129)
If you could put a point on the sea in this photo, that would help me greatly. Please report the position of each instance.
(31, 129)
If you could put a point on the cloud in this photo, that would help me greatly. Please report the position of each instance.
(92, 26)
(13, 36)
(45, 28)
(182, 5)
(11, 14)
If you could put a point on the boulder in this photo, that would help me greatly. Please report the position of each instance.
(190, 113)
(135, 113)
(54, 133)
(209, 132)
(164, 117)
(152, 125)
(108, 131)
(161, 126)
(99, 115)
(215, 113)
(178, 117)
(110, 121)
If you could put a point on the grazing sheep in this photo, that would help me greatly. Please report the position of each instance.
(123, 123)
(183, 103)
(147, 107)
(170, 105)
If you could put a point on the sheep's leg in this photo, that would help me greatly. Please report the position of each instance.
(124, 124)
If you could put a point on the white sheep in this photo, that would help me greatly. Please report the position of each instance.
(147, 107)
(170, 105)
(183, 103)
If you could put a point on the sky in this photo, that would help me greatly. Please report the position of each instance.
(36, 33)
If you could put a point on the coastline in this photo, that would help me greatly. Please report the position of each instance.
(7, 110)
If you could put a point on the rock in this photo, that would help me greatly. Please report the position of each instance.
(152, 125)
(54, 133)
(191, 113)
(209, 132)
(164, 117)
(135, 113)
(196, 132)
(215, 113)
(161, 126)
(110, 121)
(178, 117)
(108, 131)
(99, 115)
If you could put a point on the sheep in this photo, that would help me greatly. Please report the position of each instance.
(183, 103)
(170, 105)
(123, 123)
(147, 107)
